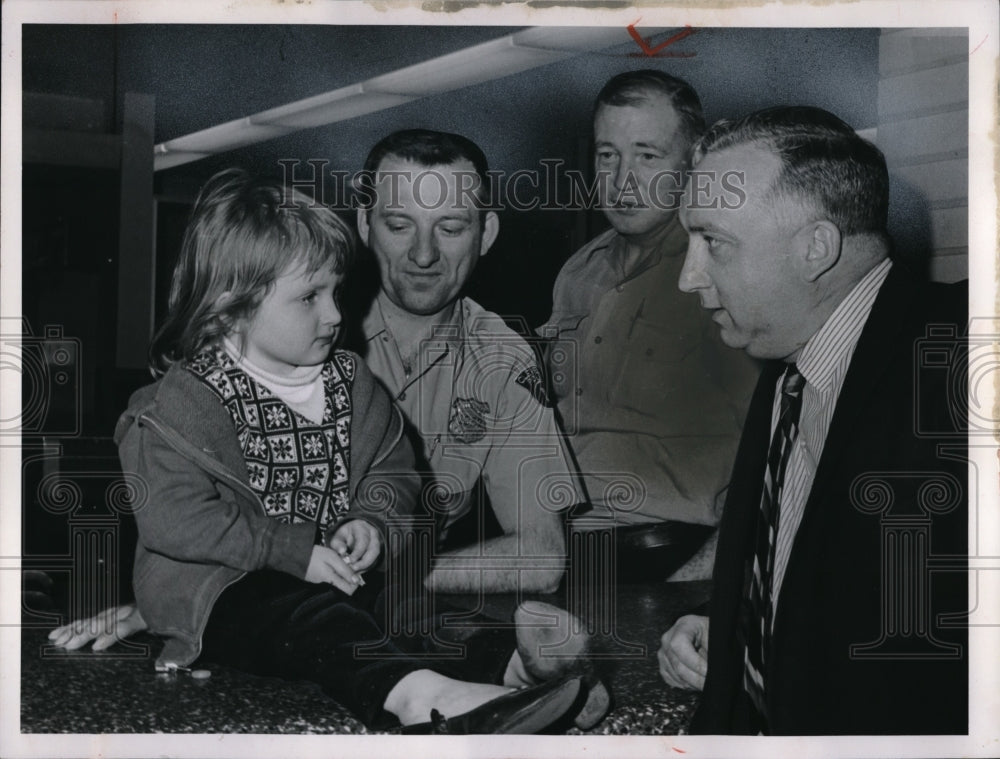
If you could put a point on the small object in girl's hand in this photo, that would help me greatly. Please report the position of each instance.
(201, 674)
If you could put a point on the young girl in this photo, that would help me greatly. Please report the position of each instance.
(265, 453)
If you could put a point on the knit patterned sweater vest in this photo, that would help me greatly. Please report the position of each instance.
(298, 467)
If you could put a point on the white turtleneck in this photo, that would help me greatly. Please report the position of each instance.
(302, 388)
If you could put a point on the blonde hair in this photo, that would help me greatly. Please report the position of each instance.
(242, 235)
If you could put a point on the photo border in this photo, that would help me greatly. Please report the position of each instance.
(981, 20)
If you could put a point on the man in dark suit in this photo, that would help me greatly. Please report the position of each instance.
(825, 615)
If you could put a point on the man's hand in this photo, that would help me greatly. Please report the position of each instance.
(105, 629)
(326, 565)
(358, 542)
(683, 654)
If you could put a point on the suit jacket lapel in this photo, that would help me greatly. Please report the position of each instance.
(871, 357)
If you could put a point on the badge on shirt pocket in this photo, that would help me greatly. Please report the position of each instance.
(467, 422)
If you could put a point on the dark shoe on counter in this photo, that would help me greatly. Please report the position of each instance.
(553, 643)
(526, 711)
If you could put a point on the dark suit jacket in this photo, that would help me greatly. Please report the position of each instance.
(844, 583)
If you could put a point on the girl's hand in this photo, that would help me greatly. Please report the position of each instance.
(358, 542)
(326, 565)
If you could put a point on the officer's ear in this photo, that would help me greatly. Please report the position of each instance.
(363, 227)
(491, 228)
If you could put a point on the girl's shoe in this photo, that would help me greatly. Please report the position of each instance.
(525, 711)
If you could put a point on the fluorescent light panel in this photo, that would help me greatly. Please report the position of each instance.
(474, 65)
(330, 107)
(222, 137)
(163, 160)
(512, 54)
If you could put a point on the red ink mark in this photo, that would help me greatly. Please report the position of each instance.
(979, 45)
(655, 52)
(678, 750)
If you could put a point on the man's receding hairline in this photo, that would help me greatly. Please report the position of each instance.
(775, 190)
(383, 211)
(779, 190)
(426, 166)
(680, 131)
(644, 96)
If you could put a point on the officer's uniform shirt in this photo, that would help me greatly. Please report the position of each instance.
(475, 396)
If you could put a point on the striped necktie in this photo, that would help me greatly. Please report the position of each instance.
(758, 610)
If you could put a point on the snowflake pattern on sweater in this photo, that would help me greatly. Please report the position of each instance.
(299, 468)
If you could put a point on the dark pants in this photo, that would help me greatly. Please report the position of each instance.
(275, 625)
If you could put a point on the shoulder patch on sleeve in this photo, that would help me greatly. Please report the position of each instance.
(531, 380)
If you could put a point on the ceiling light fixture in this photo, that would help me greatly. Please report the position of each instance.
(512, 54)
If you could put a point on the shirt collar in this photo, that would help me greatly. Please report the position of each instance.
(833, 344)
(448, 336)
(444, 336)
(671, 238)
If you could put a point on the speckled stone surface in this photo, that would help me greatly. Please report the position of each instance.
(115, 693)
(119, 691)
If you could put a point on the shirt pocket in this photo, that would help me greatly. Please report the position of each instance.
(660, 369)
(562, 356)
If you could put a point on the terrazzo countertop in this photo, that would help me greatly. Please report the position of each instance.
(118, 691)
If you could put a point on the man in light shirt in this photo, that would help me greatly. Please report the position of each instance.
(813, 626)
(468, 385)
(652, 400)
